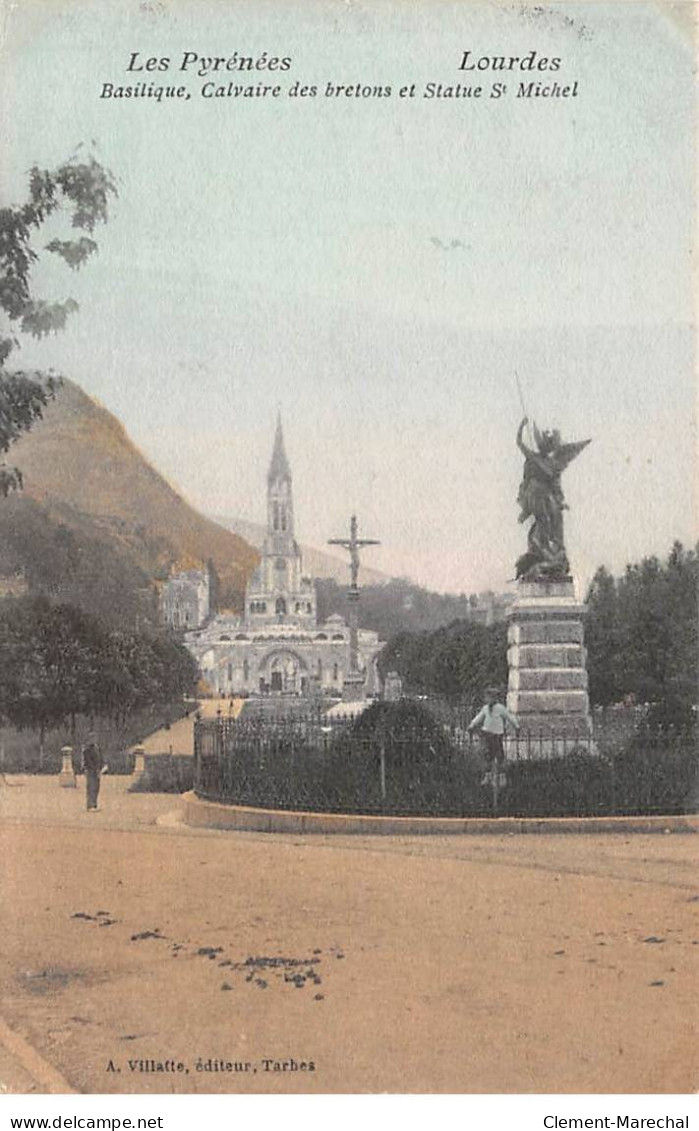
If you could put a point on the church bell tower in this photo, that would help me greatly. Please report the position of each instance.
(278, 592)
(280, 502)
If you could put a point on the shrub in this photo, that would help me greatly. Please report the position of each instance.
(658, 772)
(165, 773)
(578, 785)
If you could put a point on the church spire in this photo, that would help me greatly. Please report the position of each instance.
(279, 465)
(280, 505)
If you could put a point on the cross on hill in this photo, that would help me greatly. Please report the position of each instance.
(354, 545)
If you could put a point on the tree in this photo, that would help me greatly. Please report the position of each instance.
(142, 669)
(57, 662)
(642, 635)
(457, 662)
(602, 638)
(80, 189)
(50, 659)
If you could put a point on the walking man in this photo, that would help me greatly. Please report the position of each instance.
(492, 718)
(93, 764)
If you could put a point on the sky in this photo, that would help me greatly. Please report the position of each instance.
(381, 269)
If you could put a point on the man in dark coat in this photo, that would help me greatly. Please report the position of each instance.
(93, 764)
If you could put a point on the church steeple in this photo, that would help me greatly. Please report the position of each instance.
(280, 505)
(279, 466)
(278, 592)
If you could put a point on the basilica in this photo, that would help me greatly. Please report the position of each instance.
(278, 646)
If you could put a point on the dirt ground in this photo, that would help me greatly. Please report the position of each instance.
(464, 964)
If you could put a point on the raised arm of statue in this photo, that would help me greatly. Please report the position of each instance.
(520, 442)
(535, 461)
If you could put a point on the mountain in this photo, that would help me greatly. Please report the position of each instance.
(92, 504)
(399, 605)
(316, 563)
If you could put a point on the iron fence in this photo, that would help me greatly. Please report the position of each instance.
(308, 761)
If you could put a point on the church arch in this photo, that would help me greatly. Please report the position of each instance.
(283, 670)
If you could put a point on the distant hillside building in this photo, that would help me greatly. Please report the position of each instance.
(278, 646)
(490, 608)
(185, 600)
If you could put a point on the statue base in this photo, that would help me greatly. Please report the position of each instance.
(353, 687)
(547, 686)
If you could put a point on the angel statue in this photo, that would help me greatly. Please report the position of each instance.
(541, 498)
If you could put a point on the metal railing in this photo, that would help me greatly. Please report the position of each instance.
(306, 761)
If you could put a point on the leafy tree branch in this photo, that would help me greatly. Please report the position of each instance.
(80, 189)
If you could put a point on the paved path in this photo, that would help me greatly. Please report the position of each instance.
(504, 964)
(179, 737)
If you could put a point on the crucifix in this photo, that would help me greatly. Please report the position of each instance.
(354, 545)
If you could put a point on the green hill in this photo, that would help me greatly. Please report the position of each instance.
(96, 525)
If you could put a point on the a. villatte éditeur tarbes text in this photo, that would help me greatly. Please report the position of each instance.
(155, 1066)
(270, 75)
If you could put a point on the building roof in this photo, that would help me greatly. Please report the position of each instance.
(279, 465)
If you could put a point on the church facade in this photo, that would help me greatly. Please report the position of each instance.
(278, 647)
(184, 599)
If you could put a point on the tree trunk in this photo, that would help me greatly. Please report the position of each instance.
(42, 736)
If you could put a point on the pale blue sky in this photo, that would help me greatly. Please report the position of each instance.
(285, 253)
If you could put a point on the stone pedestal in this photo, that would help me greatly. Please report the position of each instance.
(547, 688)
(66, 778)
(139, 767)
(354, 681)
(353, 687)
(393, 687)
